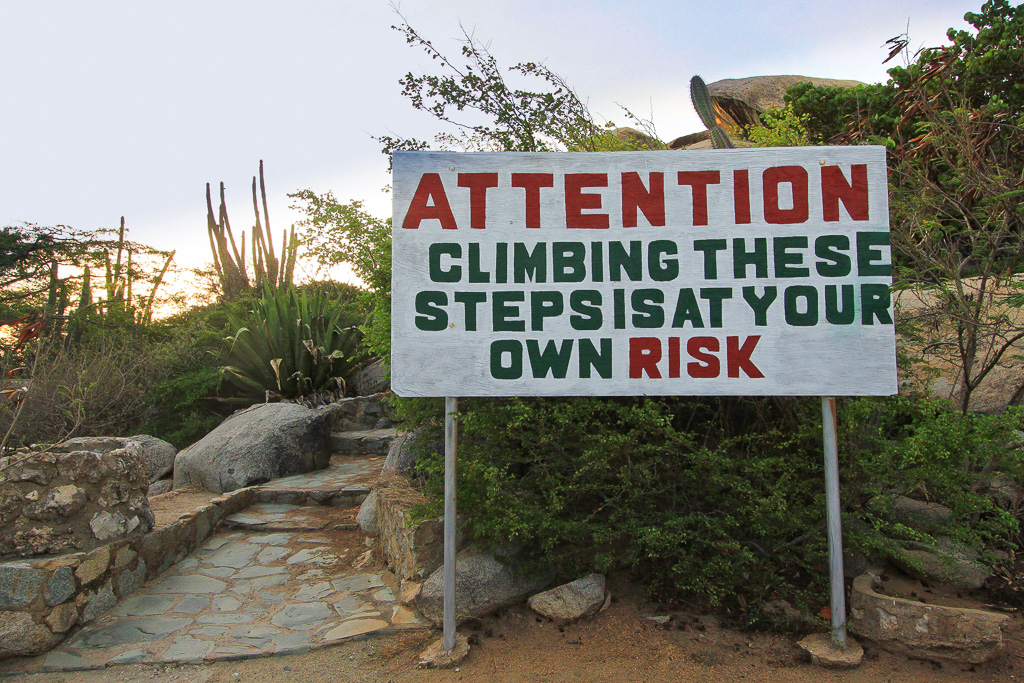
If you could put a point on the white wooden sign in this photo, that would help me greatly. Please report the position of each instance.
(719, 272)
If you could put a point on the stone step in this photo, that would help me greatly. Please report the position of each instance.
(348, 497)
(366, 441)
(265, 517)
(344, 483)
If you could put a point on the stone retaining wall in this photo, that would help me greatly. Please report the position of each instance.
(412, 551)
(58, 502)
(925, 631)
(42, 599)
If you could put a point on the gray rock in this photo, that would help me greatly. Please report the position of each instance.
(19, 584)
(944, 565)
(96, 444)
(255, 572)
(20, 635)
(226, 619)
(129, 581)
(158, 453)
(106, 525)
(377, 441)
(358, 582)
(371, 379)
(482, 585)
(1002, 489)
(57, 504)
(187, 649)
(232, 554)
(255, 636)
(188, 584)
(159, 487)
(61, 586)
(130, 657)
(268, 555)
(193, 604)
(571, 601)
(293, 643)
(401, 456)
(67, 661)
(256, 445)
(99, 604)
(145, 606)
(302, 616)
(367, 517)
(124, 631)
(930, 518)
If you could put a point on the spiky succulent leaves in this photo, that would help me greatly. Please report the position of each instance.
(702, 103)
(291, 344)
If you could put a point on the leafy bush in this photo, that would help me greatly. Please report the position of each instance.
(336, 234)
(927, 449)
(102, 385)
(707, 502)
(187, 402)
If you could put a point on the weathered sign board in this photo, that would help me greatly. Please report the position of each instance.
(719, 272)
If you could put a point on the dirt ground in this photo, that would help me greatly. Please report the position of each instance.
(620, 644)
(168, 507)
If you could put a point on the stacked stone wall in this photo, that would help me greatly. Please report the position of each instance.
(411, 551)
(41, 600)
(52, 502)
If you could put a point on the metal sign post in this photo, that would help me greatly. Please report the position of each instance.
(835, 522)
(451, 447)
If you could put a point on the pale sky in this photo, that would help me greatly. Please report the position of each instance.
(130, 108)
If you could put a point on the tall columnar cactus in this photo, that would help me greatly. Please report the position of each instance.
(230, 264)
(702, 103)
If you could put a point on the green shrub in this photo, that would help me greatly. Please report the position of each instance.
(103, 385)
(705, 501)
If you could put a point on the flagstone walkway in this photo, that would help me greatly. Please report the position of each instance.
(243, 596)
(276, 579)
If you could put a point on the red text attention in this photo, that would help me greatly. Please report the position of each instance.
(647, 196)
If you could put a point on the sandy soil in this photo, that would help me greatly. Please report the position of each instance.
(168, 507)
(621, 644)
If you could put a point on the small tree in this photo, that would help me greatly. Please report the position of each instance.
(957, 210)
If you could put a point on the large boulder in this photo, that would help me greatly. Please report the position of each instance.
(739, 102)
(20, 635)
(256, 445)
(946, 563)
(367, 516)
(371, 379)
(157, 453)
(929, 518)
(482, 585)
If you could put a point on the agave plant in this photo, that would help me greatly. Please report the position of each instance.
(291, 345)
